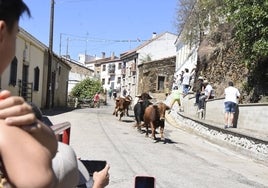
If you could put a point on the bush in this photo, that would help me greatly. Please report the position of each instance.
(86, 89)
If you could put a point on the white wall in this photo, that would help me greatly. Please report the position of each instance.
(159, 48)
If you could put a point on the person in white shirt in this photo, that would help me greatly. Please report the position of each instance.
(186, 82)
(208, 94)
(230, 104)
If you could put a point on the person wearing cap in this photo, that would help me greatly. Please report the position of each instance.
(199, 89)
(230, 103)
(208, 94)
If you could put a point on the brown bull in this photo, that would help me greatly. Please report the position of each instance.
(154, 116)
(121, 106)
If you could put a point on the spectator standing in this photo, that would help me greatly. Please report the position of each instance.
(114, 94)
(192, 76)
(110, 93)
(124, 92)
(199, 89)
(181, 77)
(208, 94)
(230, 103)
(186, 82)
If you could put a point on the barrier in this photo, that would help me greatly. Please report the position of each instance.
(62, 131)
(251, 116)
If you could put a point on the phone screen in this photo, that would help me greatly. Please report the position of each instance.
(93, 165)
(144, 182)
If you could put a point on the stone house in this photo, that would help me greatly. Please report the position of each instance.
(156, 76)
(159, 47)
(26, 76)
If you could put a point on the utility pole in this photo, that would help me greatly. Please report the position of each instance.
(50, 58)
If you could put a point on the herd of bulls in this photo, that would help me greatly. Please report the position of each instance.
(152, 115)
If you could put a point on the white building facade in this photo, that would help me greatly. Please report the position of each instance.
(186, 56)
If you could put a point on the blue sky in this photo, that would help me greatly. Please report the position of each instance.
(95, 26)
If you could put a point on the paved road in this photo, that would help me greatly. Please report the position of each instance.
(184, 160)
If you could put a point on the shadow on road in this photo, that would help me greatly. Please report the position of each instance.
(56, 111)
(128, 121)
(158, 139)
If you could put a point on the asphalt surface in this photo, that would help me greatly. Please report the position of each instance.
(185, 160)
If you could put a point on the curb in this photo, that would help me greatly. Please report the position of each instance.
(261, 157)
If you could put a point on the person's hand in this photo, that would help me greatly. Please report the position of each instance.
(15, 111)
(101, 178)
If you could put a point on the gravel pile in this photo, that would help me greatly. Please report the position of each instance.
(245, 143)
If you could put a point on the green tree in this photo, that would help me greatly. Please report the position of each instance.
(86, 89)
(250, 20)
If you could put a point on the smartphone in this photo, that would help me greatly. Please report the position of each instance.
(93, 165)
(144, 182)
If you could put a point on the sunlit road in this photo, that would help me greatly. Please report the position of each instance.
(184, 160)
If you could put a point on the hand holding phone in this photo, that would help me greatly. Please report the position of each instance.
(93, 165)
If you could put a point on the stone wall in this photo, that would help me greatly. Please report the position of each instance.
(149, 73)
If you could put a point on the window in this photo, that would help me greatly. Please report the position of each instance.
(59, 70)
(133, 80)
(103, 81)
(13, 72)
(103, 67)
(119, 66)
(111, 68)
(36, 78)
(119, 80)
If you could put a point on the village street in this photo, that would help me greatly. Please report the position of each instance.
(184, 160)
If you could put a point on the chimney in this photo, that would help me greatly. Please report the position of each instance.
(103, 55)
(112, 56)
(154, 35)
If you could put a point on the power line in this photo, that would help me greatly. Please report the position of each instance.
(86, 39)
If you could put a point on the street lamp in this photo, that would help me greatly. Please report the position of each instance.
(50, 58)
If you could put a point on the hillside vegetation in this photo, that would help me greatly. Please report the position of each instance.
(233, 44)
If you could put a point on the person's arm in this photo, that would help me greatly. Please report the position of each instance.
(101, 178)
(27, 162)
(16, 112)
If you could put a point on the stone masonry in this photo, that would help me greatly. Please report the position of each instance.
(156, 76)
